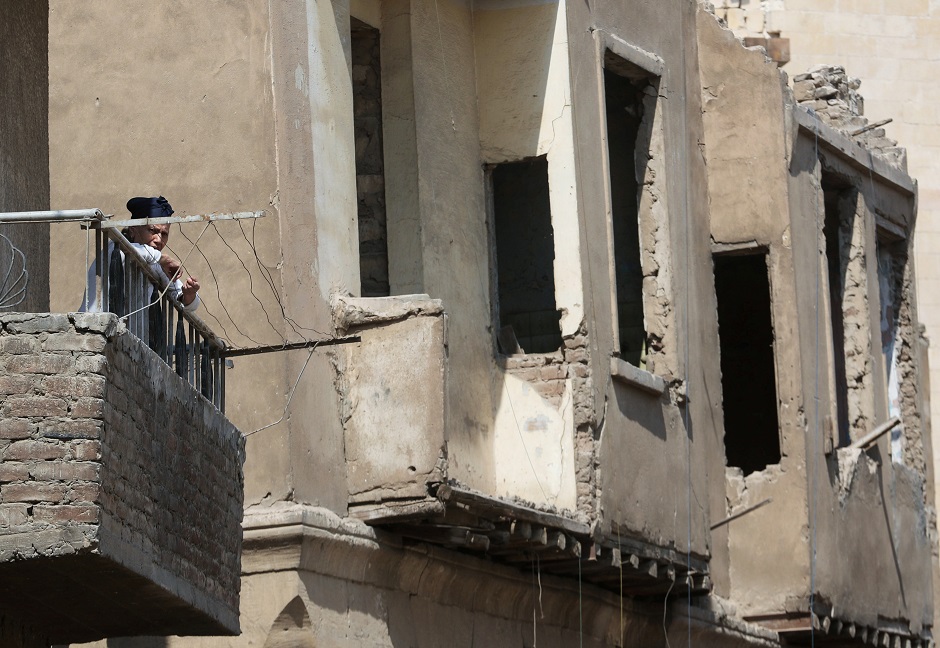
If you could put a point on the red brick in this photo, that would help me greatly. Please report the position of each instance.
(86, 450)
(11, 471)
(552, 372)
(63, 471)
(83, 493)
(66, 513)
(74, 386)
(74, 342)
(45, 363)
(15, 428)
(17, 384)
(51, 323)
(87, 408)
(33, 492)
(91, 364)
(70, 429)
(32, 449)
(36, 406)
(12, 515)
(19, 344)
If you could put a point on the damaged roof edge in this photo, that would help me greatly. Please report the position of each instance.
(852, 152)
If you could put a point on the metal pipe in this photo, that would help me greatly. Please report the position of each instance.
(169, 220)
(741, 513)
(877, 433)
(290, 346)
(60, 216)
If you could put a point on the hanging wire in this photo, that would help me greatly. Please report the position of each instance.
(289, 398)
(251, 287)
(15, 277)
(218, 292)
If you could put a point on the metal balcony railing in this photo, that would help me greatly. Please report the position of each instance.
(152, 313)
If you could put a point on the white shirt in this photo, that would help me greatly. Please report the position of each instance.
(152, 257)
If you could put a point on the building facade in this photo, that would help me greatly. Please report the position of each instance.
(600, 303)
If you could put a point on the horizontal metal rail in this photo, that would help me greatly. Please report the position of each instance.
(59, 216)
(169, 220)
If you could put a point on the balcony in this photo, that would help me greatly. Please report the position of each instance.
(120, 486)
(406, 484)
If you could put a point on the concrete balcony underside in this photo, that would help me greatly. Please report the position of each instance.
(84, 597)
(519, 536)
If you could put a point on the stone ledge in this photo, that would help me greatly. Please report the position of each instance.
(624, 372)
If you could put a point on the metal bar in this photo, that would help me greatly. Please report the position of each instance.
(169, 220)
(60, 216)
(231, 353)
(222, 388)
(740, 513)
(100, 288)
(877, 433)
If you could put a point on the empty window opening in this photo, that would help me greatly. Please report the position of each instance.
(623, 98)
(748, 377)
(891, 261)
(370, 165)
(529, 320)
(836, 265)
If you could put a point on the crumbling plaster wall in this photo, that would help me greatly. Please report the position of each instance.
(652, 463)
(870, 535)
(24, 137)
(746, 147)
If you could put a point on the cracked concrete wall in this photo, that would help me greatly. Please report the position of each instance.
(872, 527)
(771, 197)
(632, 439)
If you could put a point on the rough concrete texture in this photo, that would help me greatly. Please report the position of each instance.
(831, 512)
(116, 471)
(312, 578)
(393, 379)
(24, 138)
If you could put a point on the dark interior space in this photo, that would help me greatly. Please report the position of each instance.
(624, 102)
(836, 261)
(525, 255)
(370, 164)
(748, 382)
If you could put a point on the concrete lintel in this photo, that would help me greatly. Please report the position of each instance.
(647, 61)
(854, 153)
(626, 373)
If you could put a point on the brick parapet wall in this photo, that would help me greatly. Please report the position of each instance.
(105, 451)
(51, 405)
(171, 473)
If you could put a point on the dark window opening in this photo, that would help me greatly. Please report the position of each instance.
(748, 378)
(370, 165)
(836, 263)
(624, 104)
(529, 320)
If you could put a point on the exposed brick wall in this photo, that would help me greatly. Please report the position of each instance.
(105, 452)
(171, 472)
(834, 96)
(50, 422)
(370, 165)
